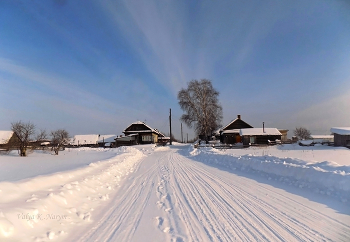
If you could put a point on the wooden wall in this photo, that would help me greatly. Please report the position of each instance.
(341, 140)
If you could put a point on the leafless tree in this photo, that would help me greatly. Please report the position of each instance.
(60, 138)
(302, 133)
(23, 131)
(201, 106)
(42, 135)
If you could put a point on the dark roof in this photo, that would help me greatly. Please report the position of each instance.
(141, 127)
(237, 124)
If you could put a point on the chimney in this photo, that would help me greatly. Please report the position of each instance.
(239, 116)
(263, 127)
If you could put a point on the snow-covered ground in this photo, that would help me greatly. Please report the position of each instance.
(14, 168)
(177, 193)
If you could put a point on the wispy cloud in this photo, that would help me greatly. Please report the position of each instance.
(158, 36)
(59, 97)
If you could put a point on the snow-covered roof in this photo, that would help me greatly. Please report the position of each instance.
(126, 138)
(85, 139)
(166, 138)
(139, 122)
(229, 124)
(341, 130)
(160, 133)
(217, 132)
(107, 138)
(140, 131)
(5, 136)
(231, 131)
(223, 128)
(322, 136)
(260, 131)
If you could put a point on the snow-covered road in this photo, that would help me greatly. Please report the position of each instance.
(172, 197)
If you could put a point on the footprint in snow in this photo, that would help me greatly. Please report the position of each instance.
(165, 197)
(177, 239)
(167, 230)
(160, 204)
(160, 221)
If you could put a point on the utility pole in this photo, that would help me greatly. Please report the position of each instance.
(182, 139)
(170, 127)
(187, 138)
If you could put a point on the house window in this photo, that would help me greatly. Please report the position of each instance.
(147, 138)
(252, 139)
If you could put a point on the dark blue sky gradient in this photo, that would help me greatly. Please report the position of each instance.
(96, 66)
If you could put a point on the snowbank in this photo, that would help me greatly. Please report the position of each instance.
(322, 177)
(42, 162)
(46, 207)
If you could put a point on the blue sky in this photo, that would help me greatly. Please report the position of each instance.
(97, 66)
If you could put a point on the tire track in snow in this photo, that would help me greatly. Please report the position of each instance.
(121, 220)
(253, 212)
(282, 215)
(206, 215)
(191, 201)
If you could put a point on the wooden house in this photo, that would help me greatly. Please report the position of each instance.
(229, 134)
(143, 133)
(7, 138)
(341, 136)
(260, 136)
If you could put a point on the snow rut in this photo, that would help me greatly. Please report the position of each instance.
(226, 208)
(173, 198)
(121, 220)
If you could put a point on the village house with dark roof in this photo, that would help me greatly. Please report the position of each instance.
(140, 133)
(229, 134)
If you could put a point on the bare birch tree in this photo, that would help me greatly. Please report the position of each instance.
(302, 133)
(201, 106)
(24, 132)
(60, 138)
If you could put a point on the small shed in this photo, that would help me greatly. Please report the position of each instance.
(163, 140)
(341, 136)
(260, 135)
(130, 139)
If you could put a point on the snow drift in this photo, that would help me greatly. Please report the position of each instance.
(45, 207)
(322, 177)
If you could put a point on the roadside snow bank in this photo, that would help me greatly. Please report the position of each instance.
(322, 177)
(42, 162)
(48, 207)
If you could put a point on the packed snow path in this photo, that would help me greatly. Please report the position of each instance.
(171, 197)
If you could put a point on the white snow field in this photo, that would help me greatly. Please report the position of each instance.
(178, 193)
